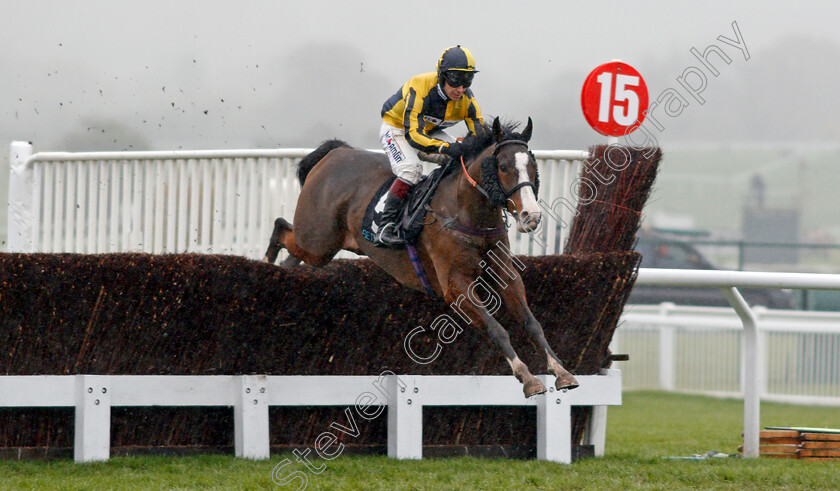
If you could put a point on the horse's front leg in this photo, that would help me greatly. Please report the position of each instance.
(519, 307)
(461, 295)
(530, 385)
(565, 380)
(513, 295)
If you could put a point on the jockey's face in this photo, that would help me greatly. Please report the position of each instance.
(454, 93)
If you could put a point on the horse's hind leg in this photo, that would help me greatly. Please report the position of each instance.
(280, 238)
(277, 241)
(283, 237)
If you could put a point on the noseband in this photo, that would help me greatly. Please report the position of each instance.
(521, 185)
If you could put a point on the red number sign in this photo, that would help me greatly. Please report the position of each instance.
(614, 99)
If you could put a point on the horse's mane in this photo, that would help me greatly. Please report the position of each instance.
(475, 143)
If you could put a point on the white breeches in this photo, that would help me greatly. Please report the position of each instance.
(403, 157)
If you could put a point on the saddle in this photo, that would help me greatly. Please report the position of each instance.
(413, 214)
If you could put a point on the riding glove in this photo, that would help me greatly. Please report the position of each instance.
(454, 150)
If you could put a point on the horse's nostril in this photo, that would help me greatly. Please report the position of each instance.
(529, 217)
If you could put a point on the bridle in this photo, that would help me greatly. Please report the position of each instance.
(519, 186)
(454, 223)
(512, 190)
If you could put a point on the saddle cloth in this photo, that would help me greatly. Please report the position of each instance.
(412, 215)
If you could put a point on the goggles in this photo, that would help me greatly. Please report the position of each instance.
(458, 78)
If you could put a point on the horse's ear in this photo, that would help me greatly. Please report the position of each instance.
(497, 129)
(526, 135)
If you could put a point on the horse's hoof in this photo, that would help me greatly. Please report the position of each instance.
(290, 262)
(533, 387)
(282, 224)
(566, 383)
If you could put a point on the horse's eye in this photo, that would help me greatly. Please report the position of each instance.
(502, 168)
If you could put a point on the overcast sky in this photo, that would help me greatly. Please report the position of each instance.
(170, 74)
(164, 74)
(214, 74)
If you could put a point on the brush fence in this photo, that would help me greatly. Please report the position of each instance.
(220, 201)
(405, 397)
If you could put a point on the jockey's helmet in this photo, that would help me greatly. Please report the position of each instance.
(457, 66)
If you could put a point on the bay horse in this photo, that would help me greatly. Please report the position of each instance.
(497, 172)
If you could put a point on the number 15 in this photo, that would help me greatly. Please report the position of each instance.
(630, 114)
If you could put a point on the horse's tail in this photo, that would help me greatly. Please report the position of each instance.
(307, 163)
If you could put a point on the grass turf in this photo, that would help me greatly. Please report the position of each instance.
(642, 433)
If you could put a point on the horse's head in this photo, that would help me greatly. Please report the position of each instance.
(510, 176)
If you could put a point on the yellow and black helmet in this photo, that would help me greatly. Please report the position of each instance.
(456, 58)
(457, 66)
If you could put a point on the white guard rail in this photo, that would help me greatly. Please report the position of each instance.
(215, 201)
(405, 396)
(728, 282)
(698, 350)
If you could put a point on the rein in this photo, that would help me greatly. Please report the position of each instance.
(472, 181)
(459, 226)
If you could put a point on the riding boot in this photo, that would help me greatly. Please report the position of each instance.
(389, 229)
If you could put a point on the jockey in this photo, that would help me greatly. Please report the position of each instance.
(414, 119)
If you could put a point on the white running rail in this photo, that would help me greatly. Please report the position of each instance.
(698, 350)
(728, 282)
(215, 201)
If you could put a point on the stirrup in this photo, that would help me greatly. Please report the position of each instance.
(393, 239)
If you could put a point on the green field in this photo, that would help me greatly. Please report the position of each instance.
(641, 435)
